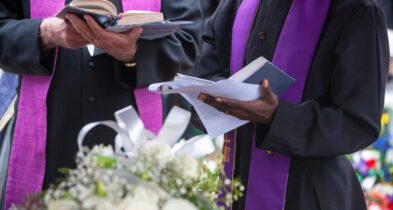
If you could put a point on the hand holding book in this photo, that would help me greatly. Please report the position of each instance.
(121, 46)
(233, 102)
(260, 110)
(106, 15)
(56, 32)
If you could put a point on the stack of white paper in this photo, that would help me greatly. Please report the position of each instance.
(215, 122)
(244, 86)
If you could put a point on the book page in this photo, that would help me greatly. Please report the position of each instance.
(215, 122)
(243, 86)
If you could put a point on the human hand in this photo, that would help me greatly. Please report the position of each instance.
(121, 46)
(57, 32)
(260, 111)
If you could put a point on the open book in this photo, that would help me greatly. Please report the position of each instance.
(106, 15)
(244, 85)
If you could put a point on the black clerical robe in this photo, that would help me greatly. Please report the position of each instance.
(85, 89)
(387, 6)
(341, 104)
(208, 7)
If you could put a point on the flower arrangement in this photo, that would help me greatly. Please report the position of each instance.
(152, 175)
(374, 167)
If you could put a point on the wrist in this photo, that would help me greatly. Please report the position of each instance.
(127, 62)
(45, 36)
(129, 65)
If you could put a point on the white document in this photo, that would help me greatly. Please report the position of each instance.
(215, 122)
(243, 86)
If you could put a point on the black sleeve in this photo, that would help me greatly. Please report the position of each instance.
(209, 64)
(357, 89)
(159, 60)
(19, 51)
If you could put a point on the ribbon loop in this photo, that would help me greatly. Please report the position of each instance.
(132, 133)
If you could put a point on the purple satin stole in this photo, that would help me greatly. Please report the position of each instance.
(27, 162)
(294, 53)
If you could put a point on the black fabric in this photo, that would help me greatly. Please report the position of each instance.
(208, 7)
(387, 6)
(170, 100)
(7, 137)
(341, 106)
(86, 89)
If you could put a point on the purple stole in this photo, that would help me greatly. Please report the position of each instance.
(27, 162)
(294, 53)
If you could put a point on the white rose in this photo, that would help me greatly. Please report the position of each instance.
(146, 194)
(157, 150)
(186, 166)
(177, 204)
(98, 203)
(63, 205)
(162, 194)
(134, 204)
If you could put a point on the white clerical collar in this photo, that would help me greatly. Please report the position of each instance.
(94, 51)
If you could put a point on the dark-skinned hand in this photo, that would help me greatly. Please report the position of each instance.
(121, 46)
(259, 111)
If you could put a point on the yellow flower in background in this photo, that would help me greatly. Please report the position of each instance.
(384, 119)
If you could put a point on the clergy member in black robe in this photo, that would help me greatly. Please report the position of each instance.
(341, 104)
(85, 89)
(208, 8)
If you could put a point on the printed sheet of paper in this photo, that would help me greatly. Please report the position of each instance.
(215, 122)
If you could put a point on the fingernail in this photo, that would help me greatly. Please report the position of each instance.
(202, 97)
(219, 100)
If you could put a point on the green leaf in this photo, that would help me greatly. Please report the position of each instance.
(100, 189)
(106, 162)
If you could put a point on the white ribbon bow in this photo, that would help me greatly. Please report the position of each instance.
(132, 133)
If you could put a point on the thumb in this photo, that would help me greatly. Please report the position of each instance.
(267, 92)
(135, 33)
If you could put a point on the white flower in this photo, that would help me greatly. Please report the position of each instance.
(177, 204)
(211, 165)
(63, 205)
(162, 194)
(186, 166)
(98, 203)
(157, 150)
(135, 204)
(146, 194)
(103, 150)
(107, 151)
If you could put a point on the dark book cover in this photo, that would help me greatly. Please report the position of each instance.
(278, 79)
